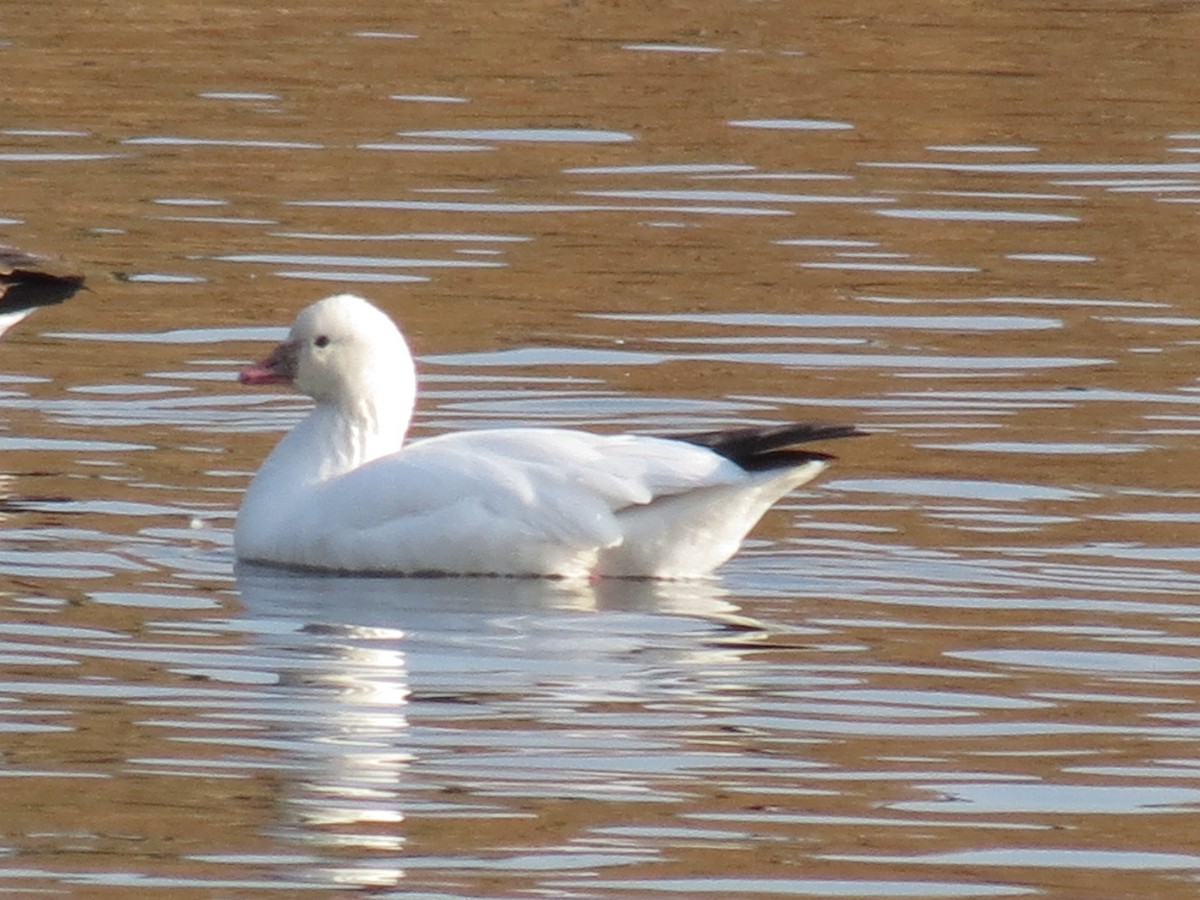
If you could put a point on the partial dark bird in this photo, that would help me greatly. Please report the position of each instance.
(24, 288)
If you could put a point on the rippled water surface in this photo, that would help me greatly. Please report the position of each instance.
(964, 664)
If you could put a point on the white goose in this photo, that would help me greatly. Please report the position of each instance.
(344, 492)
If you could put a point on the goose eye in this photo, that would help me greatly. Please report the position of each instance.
(321, 341)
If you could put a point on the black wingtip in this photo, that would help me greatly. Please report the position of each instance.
(773, 446)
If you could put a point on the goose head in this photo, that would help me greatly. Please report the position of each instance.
(344, 352)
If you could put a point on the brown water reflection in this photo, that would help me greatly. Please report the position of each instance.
(962, 666)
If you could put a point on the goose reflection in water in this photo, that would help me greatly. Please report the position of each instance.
(400, 697)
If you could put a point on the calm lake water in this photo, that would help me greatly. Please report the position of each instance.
(963, 664)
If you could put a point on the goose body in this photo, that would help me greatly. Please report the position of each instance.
(344, 491)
